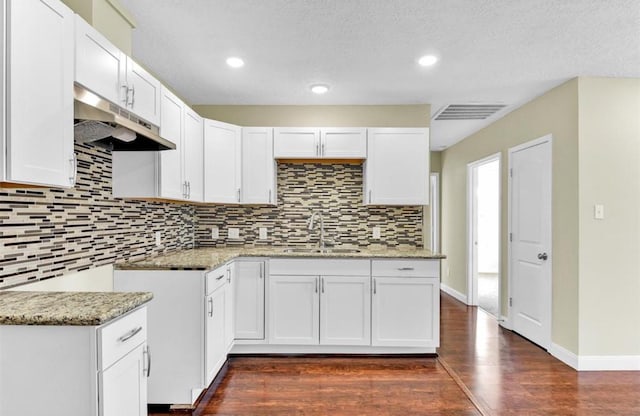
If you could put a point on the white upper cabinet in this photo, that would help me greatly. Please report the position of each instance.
(104, 69)
(258, 166)
(303, 142)
(342, 143)
(397, 167)
(193, 158)
(172, 109)
(143, 93)
(36, 126)
(317, 143)
(100, 66)
(222, 162)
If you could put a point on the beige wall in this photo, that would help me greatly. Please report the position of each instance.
(109, 18)
(320, 115)
(556, 113)
(609, 154)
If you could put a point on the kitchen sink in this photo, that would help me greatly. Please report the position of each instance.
(316, 250)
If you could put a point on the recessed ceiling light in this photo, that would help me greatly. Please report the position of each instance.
(319, 88)
(235, 62)
(428, 60)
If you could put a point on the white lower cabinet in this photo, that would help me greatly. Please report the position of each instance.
(188, 324)
(78, 370)
(294, 313)
(248, 303)
(331, 308)
(405, 303)
(345, 310)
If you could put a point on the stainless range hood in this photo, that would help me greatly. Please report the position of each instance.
(99, 122)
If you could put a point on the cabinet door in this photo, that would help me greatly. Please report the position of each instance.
(296, 143)
(397, 167)
(249, 300)
(40, 94)
(343, 143)
(123, 386)
(258, 166)
(193, 158)
(345, 310)
(406, 312)
(222, 170)
(215, 349)
(144, 93)
(294, 310)
(100, 66)
(171, 184)
(229, 316)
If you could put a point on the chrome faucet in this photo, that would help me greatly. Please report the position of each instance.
(311, 219)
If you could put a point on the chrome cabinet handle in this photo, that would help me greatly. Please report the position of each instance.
(322, 284)
(210, 306)
(316, 285)
(130, 334)
(374, 286)
(322, 151)
(238, 194)
(188, 190)
(318, 149)
(125, 100)
(133, 96)
(74, 168)
(220, 277)
(184, 189)
(147, 353)
(228, 275)
(405, 269)
(261, 270)
(369, 195)
(269, 195)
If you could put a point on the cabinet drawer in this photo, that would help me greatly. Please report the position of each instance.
(216, 278)
(406, 267)
(319, 267)
(116, 339)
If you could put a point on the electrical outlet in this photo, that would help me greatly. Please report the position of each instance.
(262, 233)
(598, 212)
(158, 238)
(215, 233)
(234, 233)
(376, 232)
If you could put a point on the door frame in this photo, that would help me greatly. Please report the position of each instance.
(434, 216)
(472, 284)
(549, 290)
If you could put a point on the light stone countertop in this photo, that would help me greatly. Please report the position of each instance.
(212, 257)
(67, 308)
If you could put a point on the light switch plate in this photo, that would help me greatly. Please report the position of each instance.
(158, 238)
(598, 211)
(376, 232)
(215, 233)
(234, 233)
(262, 233)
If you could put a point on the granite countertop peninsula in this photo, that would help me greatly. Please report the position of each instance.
(211, 257)
(67, 308)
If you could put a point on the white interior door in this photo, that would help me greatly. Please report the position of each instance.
(530, 251)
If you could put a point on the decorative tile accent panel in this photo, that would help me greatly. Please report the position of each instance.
(48, 232)
(335, 190)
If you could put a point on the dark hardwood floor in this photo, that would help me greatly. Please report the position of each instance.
(482, 369)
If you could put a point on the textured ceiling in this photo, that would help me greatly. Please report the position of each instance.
(505, 51)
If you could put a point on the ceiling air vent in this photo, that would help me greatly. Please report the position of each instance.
(468, 111)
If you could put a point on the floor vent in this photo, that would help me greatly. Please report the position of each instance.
(468, 111)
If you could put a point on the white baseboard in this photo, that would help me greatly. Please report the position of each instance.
(564, 355)
(609, 363)
(451, 291)
(504, 322)
(596, 362)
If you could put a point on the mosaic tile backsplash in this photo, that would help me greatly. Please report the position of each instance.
(46, 233)
(49, 232)
(335, 190)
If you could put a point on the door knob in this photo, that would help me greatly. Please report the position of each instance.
(542, 256)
